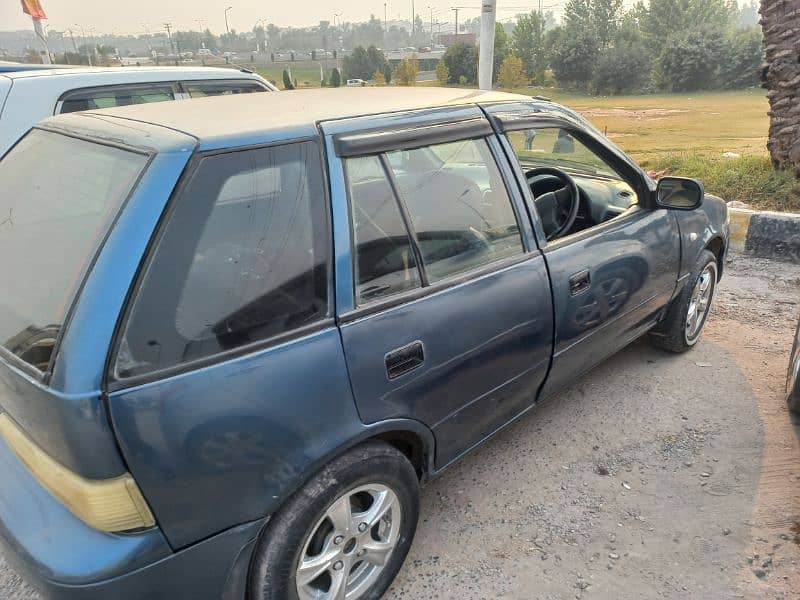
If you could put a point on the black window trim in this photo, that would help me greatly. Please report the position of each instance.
(370, 142)
(114, 383)
(115, 86)
(9, 357)
(426, 288)
(182, 83)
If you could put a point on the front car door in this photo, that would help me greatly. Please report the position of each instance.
(615, 269)
(442, 296)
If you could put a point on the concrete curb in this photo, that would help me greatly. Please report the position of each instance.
(766, 234)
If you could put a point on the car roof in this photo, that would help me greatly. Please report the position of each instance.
(88, 73)
(252, 118)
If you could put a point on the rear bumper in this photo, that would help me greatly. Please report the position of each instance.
(64, 558)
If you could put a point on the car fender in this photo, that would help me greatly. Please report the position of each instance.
(704, 227)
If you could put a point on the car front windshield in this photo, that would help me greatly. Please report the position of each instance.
(60, 195)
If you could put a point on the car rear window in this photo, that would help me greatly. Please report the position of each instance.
(59, 196)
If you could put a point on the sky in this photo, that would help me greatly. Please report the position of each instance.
(138, 16)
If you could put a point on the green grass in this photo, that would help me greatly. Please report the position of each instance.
(748, 179)
(305, 76)
(689, 133)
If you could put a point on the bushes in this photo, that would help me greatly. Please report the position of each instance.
(287, 81)
(442, 73)
(336, 78)
(362, 63)
(406, 71)
(461, 61)
(749, 179)
(512, 73)
(621, 69)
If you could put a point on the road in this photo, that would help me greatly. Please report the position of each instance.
(654, 476)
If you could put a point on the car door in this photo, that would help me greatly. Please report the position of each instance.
(616, 270)
(451, 318)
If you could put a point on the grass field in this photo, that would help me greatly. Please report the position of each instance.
(305, 76)
(689, 134)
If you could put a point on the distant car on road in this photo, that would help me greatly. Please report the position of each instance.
(29, 96)
(356, 83)
(234, 340)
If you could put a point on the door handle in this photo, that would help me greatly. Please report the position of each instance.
(580, 282)
(405, 359)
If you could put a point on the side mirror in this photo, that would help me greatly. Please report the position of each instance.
(679, 193)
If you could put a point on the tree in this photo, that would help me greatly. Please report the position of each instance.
(362, 63)
(336, 78)
(442, 73)
(528, 42)
(574, 56)
(662, 19)
(287, 81)
(690, 60)
(501, 49)
(378, 78)
(780, 74)
(462, 61)
(741, 58)
(512, 72)
(406, 71)
(387, 73)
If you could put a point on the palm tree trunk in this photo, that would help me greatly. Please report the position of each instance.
(780, 74)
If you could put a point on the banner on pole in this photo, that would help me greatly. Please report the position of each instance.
(33, 8)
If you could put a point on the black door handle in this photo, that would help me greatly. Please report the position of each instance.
(405, 359)
(580, 282)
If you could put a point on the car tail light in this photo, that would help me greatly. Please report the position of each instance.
(111, 505)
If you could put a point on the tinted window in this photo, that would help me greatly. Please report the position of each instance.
(459, 206)
(120, 95)
(384, 260)
(242, 258)
(201, 89)
(59, 197)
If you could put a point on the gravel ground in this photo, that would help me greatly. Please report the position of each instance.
(654, 476)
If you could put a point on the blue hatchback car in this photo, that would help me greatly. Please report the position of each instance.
(236, 334)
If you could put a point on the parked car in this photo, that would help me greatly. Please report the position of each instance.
(792, 379)
(27, 97)
(12, 67)
(356, 83)
(243, 334)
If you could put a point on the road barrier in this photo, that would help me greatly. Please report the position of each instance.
(765, 234)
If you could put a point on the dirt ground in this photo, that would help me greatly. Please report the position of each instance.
(654, 476)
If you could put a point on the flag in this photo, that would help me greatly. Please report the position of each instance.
(33, 8)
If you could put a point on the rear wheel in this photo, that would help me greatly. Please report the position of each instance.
(343, 535)
(681, 328)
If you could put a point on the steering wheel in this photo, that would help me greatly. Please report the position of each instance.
(559, 209)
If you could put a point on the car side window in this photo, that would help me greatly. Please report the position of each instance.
(242, 257)
(604, 194)
(202, 89)
(384, 258)
(459, 206)
(118, 95)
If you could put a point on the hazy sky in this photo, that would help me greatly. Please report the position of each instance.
(129, 16)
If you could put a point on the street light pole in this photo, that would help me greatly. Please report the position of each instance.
(486, 60)
(227, 29)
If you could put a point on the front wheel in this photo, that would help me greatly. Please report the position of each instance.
(681, 328)
(343, 535)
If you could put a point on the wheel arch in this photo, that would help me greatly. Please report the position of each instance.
(716, 245)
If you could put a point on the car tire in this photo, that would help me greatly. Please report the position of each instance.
(315, 532)
(683, 324)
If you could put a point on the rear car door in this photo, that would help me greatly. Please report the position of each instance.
(450, 318)
(228, 377)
